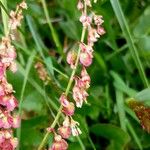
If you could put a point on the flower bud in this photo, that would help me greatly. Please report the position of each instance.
(71, 58)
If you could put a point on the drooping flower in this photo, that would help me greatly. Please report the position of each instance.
(88, 3)
(80, 5)
(98, 20)
(59, 144)
(68, 107)
(85, 59)
(79, 95)
(71, 58)
(64, 131)
(85, 20)
(85, 78)
(74, 128)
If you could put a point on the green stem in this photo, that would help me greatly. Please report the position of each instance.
(29, 64)
(121, 111)
(66, 92)
(4, 15)
(125, 28)
(54, 35)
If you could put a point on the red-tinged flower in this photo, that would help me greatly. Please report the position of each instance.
(98, 20)
(85, 20)
(59, 143)
(80, 5)
(74, 128)
(66, 122)
(23, 5)
(71, 58)
(2, 91)
(2, 69)
(63, 100)
(85, 78)
(13, 67)
(85, 59)
(86, 48)
(79, 95)
(88, 3)
(69, 110)
(68, 107)
(15, 121)
(5, 121)
(64, 131)
(9, 101)
(9, 144)
(92, 36)
(100, 30)
(14, 142)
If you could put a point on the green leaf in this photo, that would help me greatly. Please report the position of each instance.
(143, 95)
(112, 133)
(125, 28)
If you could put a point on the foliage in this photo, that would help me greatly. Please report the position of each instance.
(120, 71)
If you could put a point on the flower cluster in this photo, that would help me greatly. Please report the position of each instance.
(8, 102)
(93, 25)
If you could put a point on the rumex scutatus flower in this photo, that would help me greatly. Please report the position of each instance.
(8, 102)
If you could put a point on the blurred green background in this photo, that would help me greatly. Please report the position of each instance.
(120, 70)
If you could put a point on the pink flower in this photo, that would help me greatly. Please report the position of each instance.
(88, 3)
(85, 20)
(69, 110)
(59, 143)
(74, 128)
(16, 122)
(9, 101)
(2, 91)
(98, 20)
(92, 36)
(71, 58)
(100, 30)
(79, 95)
(64, 131)
(68, 107)
(2, 69)
(13, 67)
(5, 121)
(80, 5)
(85, 78)
(23, 5)
(85, 59)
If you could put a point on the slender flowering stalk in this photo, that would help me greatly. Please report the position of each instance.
(92, 24)
(8, 102)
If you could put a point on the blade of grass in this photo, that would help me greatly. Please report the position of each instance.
(38, 87)
(134, 135)
(28, 68)
(125, 28)
(54, 34)
(38, 42)
(4, 15)
(121, 111)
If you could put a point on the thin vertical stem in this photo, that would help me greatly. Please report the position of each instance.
(4, 15)
(66, 92)
(54, 34)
